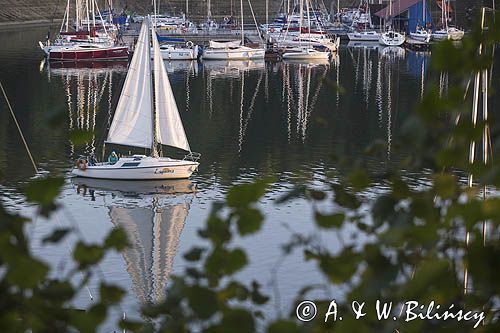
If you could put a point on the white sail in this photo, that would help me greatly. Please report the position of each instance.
(133, 120)
(169, 128)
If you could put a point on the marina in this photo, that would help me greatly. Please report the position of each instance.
(150, 119)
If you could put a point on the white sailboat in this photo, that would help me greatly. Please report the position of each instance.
(306, 52)
(171, 51)
(233, 50)
(421, 34)
(365, 36)
(447, 32)
(391, 37)
(146, 115)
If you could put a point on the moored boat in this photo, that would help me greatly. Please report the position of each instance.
(145, 117)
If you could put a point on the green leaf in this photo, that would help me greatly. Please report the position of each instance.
(237, 320)
(80, 137)
(445, 185)
(223, 262)
(359, 179)
(244, 195)
(26, 272)
(56, 235)
(87, 255)
(249, 220)
(202, 300)
(194, 254)
(216, 230)
(329, 221)
(111, 294)
(44, 191)
(117, 239)
(257, 297)
(234, 290)
(344, 198)
(317, 195)
(283, 326)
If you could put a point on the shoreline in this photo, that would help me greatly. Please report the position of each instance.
(30, 24)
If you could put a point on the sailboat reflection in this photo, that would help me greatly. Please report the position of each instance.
(88, 87)
(154, 235)
(153, 226)
(231, 68)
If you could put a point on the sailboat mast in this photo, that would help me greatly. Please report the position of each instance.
(242, 28)
(267, 12)
(301, 11)
(154, 152)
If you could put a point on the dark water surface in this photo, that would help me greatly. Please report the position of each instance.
(247, 119)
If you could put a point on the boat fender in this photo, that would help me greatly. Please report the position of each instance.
(189, 43)
(81, 164)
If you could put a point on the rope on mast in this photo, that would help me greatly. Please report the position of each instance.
(18, 128)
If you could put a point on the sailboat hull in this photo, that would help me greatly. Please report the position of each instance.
(241, 53)
(139, 168)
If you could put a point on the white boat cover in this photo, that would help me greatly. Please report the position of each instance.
(133, 120)
(223, 45)
(169, 128)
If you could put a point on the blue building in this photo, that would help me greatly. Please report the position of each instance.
(407, 15)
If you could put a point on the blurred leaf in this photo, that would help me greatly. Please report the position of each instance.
(243, 195)
(249, 220)
(317, 195)
(56, 235)
(117, 239)
(203, 301)
(26, 272)
(445, 185)
(297, 192)
(237, 320)
(87, 255)
(216, 230)
(329, 221)
(223, 262)
(80, 137)
(111, 294)
(256, 295)
(44, 191)
(344, 198)
(194, 254)
(359, 179)
(283, 326)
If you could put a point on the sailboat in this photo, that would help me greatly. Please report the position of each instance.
(174, 51)
(391, 37)
(306, 52)
(86, 43)
(144, 117)
(233, 50)
(421, 34)
(446, 32)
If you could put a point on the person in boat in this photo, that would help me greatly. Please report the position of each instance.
(92, 160)
(113, 158)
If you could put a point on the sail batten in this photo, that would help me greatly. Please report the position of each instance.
(168, 124)
(133, 119)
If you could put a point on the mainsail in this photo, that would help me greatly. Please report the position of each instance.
(169, 128)
(133, 120)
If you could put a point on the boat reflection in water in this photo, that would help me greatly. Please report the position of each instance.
(153, 226)
(231, 68)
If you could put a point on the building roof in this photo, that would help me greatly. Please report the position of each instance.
(398, 7)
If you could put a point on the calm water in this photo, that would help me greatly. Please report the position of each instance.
(247, 119)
